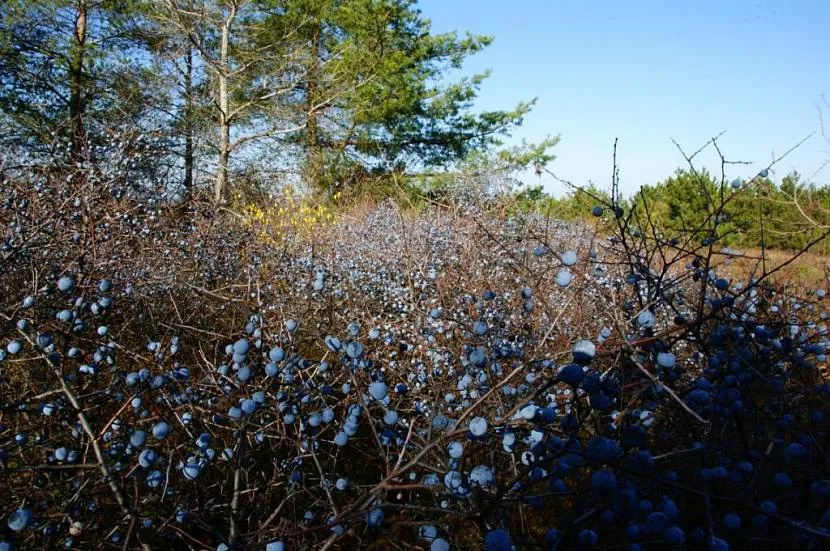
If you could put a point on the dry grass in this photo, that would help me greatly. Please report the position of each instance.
(805, 272)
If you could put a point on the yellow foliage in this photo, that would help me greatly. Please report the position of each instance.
(288, 216)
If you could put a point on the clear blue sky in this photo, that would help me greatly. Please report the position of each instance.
(649, 71)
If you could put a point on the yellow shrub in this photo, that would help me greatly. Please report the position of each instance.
(290, 215)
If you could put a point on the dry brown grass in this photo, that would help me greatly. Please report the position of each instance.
(804, 272)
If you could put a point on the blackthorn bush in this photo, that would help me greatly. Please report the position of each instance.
(169, 379)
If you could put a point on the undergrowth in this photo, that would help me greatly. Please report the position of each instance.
(465, 376)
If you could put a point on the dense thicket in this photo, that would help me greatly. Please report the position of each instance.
(445, 379)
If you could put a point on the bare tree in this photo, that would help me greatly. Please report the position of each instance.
(246, 101)
(76, 76)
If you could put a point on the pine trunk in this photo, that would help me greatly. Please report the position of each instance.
(188, 130)
(314, 149)
(76, 85)
(221, 182)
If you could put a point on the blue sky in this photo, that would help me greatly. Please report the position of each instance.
(650, 71)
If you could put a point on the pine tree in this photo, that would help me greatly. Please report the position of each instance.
(370, 91)
(65, 69)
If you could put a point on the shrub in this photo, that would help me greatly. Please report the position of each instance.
(169, 378)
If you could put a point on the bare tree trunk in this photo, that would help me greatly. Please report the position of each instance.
(314, 150)
(221, 182)
(188, 130)
(76, 85)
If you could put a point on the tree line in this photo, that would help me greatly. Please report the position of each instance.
(180, 95)
(758, 212)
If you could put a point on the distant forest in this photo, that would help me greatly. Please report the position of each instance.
(756, 213)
